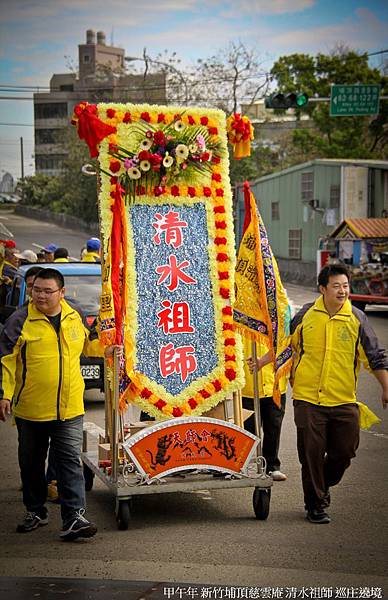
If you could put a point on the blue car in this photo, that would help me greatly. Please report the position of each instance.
(83, 290)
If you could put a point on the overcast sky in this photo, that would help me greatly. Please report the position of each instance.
(37, 35)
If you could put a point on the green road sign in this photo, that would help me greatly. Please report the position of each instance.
(354, 100)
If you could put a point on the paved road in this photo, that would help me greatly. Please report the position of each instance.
(213, 537)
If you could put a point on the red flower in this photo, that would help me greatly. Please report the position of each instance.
(213, 130)
(160, 403)
(219, 192)
(191, 120)
(205, 156)
(161, 117)
(113, 148)
(225, 293)
(191, 192)
(227, 327)
(221, 257)
(159, 138)
(176, 412)
(221, 224)
(140, 190)
(219, 241)
(145, 116)
(217, 385)
(113, 180)
(192, 403)
(207, 191)
(219, 209)
(204, 121)
(145, 393)
(227, 310)
(174, 190)
(127, 117)
(158, 190)
(114, 166)
(204, 394)
(216, 160)
(155, 159)
(216, 177)
(230, 342)
(230, 374)
(144, 155)
(231, 357)
(223, 275)
(110, 113)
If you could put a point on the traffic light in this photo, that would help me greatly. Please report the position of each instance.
(292, 100)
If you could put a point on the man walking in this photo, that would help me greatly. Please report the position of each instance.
(330, 339)
(40, 348)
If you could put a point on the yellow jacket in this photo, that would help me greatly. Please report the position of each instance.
(41, 371)
(328, 352)
(266, 374)
(91, 257)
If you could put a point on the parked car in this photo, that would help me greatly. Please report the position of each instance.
(82, 290)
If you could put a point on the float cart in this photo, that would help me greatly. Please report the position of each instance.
(177, 455)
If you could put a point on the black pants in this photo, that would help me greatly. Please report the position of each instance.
(327, 438)
(271, 422)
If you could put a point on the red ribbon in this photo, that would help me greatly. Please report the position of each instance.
(90, 127)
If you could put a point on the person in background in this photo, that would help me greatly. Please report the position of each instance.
(27, 257)
(40, 414)
(271, 414)
(49, 252)
(93, 247)
(61, 255)
(330, 339)
(41, 257)
(29, 279)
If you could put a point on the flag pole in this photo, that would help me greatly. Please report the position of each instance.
(256, 406)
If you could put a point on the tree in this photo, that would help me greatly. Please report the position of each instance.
(334, 137)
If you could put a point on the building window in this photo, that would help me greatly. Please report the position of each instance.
(335, 191)
(48, 136)
(86, 58)
(307, 186)
(50, 162)
(54, 110)
(295, 243)
(68, 87)
(275, 214)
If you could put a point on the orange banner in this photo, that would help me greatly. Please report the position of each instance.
(191, 443)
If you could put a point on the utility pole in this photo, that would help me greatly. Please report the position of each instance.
(22, 157)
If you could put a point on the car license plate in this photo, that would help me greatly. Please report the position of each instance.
(90, 372)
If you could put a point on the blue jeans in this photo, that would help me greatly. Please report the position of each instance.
(65, 438)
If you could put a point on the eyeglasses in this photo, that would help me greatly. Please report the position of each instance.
(38, 291)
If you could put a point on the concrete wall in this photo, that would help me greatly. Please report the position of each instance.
(66, 221)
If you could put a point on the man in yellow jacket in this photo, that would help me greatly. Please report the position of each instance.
(40, 378)
(330, 339)
(271, 414)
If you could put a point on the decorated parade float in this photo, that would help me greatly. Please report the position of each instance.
(168, 265)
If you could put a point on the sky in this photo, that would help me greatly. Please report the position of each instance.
(41, 37)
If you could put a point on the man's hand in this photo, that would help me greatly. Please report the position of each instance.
(108, 352)
(5, 409)
(251, 364)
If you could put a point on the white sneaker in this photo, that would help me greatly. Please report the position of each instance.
(278, 475)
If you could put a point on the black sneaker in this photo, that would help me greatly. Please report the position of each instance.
(31, 521)
(78, 527)
(318, 515)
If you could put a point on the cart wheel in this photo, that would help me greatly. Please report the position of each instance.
(123, 515)
(89, 478)
(261, 501)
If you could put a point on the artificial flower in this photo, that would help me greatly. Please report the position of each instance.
(159, 138)
(201, 141)
(134, 173)
(145, 165)
(193, 148)
(181, 152)
(168, 161)
(179, 126)
(145, 144)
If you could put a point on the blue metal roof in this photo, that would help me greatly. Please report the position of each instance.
(79, 268)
